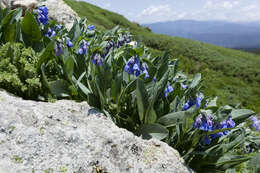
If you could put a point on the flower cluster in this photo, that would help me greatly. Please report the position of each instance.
(97, 59)
(83, 47)
(134, 67)
(255, 123)
(197, 101)
(43, 15)
(69, 43)
(206, 124)
(52, 31)
(168, 90)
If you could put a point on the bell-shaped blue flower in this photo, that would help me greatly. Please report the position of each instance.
(97, 59)
(168, 90)
(69, 43)
(91, 27)
(43, 15)
(83, 47)
(206, 140)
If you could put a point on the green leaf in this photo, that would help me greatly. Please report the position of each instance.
(172, 119)
(31, 28)
(45, 55)
(213, 103)
(60, 88)
(148, 131)
(142, 98)
(75, 32)
(196, 81)
(254, 163)
(240, 115)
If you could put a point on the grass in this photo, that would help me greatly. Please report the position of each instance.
(232, 75)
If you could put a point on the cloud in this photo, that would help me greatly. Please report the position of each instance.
(160, 10)
(214, 4)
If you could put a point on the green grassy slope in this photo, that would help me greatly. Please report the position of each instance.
(232, 75)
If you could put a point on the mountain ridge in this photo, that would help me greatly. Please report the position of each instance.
(221, 33)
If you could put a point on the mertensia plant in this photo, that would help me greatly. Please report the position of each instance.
(142, 93)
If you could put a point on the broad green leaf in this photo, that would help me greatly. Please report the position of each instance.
(254, 164)
(142, 98)
(196, 80)
(31, 28)
(60, 88)
(148, 131)
(172, 119)
(75, 32)
(240, 115)
(213, 103)
(45, 55)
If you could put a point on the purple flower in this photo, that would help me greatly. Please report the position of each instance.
(91, 27)
(145, 70)
(168, 90)
(50, 33)
(255, 123)
(188, 104)
(207, 125)
(43, 15)
(230, 123)
(199, 100)
(69, 43)
(58, 49)
(83, 48)
(197, 123)
(133, 66)
(183, 87)
(206, 140)
(97, 59)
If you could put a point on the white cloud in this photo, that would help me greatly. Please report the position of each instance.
(156, 10)
(214, 4)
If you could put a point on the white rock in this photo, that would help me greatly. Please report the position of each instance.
(58, 10)
(76, 140)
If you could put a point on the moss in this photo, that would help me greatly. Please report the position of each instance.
(18, 74)
(17, 159)
(63, 169)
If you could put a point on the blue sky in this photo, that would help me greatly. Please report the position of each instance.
(149, 11)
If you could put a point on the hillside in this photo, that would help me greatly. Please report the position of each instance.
(232, 75)
(221, 33)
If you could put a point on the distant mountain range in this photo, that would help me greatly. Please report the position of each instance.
(227, 34)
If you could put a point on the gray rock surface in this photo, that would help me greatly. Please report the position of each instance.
(58, 10)
(65, 136)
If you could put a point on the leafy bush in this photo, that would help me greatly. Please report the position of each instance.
(142, 93)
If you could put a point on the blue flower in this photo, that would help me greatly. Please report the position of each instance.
(69, 43)
(188, 104)
(199, 99)
(207, 125)
(197, 123)
(133, 66)
(97, 59)
(206, 140)
(145, 70)
(255, 123)
(50, 33)
(83, 48)
(168, 90)
(91, 27)
(58, 49)
(183, 87)
(43, 15)
(230, 123)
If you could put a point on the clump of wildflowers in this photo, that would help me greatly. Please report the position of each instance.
(255, 123)
(43, 15)
(133, 67)
(83, 48)
(206, 124)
